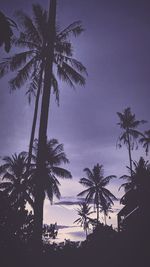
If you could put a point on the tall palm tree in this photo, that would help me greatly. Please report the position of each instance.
(145, 140)
(129, 134)
(30, 63)
(84, 213)
(14, 180)
(96, 191)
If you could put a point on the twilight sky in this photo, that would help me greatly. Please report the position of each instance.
(115, 50)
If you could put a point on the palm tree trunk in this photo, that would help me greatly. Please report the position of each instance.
(38, 217)
(97, 207)
(129, 150)
(35, 118)
(105, 218)
(85, 228)
(86, 232)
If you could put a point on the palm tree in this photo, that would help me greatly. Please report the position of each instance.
(96, 191)
(145, 140)
(137, 186)
(46, 47)
(84, 213)
(129, 125)
(31, 62)
(55, 156)
(14, 180)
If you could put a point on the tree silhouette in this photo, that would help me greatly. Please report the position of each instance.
(46, 46)
(137, 185)
(30, 63)
(129, 135)
(15, 180)
(145, 140)
(84, 213)
(96, 191)
(55, 157)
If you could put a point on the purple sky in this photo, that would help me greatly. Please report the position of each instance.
(115, 49)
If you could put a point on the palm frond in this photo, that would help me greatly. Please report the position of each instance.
(14, 62)
(22, 76)
(28, 26)
(63, 76)
(83, 193)
(74, 28)
(40, 19)
(89, 173)
(73, 75)
(86, 182)
(60, 172)
(107, 179)
(23, 42)
(55, 88)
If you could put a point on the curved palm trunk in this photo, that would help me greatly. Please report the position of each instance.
(39, 199)
(35, 118)
(129, 150)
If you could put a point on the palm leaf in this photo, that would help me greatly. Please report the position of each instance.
(60, 172)
(14, 62)
(29, 27)
(22, 75)
(74, 28)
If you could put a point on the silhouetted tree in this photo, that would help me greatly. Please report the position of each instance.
(55, 157)
(145, 140)
(6, 32)
(84, 213)
(96, 191)
(129, 125)
(137, 187)
(31, 62)
(14, 180)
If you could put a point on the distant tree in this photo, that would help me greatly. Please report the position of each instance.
(50, 231)
(14, 180)
(96, 191)
(84, 213)
(145, 140)
(129, 135)
(6, 32)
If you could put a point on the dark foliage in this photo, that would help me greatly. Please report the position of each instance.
(6, 32)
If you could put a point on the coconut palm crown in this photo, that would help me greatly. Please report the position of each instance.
(14, 179)
(96, 187)
(129, 134)
(55, 157)
(30, 62)
(84, 213)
